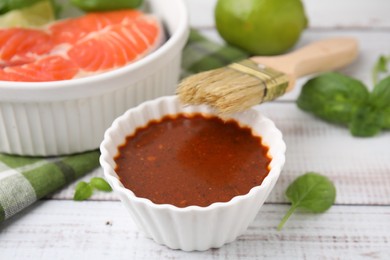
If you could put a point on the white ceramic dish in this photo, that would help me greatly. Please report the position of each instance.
(194, 227)
(64, 117)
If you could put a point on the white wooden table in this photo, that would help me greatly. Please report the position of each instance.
(356, 227)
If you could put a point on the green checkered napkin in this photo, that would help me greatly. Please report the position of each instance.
(24, 180)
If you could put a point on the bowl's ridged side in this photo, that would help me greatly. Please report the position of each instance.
(191, 228)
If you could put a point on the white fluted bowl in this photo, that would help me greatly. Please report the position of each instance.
(70, 116)
(191, 228)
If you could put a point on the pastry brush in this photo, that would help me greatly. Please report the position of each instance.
(258, 79)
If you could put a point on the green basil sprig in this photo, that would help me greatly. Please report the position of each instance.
(85, 190)
(100, 184)
(312, 192)
(379, 67)
(341, 99)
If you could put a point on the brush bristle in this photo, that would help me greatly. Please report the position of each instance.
(234, 88)
(225, 89)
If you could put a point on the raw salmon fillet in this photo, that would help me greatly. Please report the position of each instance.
(77, 47)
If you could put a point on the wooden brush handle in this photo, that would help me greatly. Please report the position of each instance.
(320, 56)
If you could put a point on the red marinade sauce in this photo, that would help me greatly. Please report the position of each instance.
(192, 159)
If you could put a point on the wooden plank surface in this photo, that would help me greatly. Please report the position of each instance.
(103, 230)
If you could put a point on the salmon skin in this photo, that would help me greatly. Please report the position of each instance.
(78, 47)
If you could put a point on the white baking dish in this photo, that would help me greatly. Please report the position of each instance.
(64, 117)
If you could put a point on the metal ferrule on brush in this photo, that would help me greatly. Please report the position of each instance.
(274, 83)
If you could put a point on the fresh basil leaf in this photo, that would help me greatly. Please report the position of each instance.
(106, 5)
(366, 122)
(380, 95)
(379, 67)
(371, 118)
(381, 64)
(333, 97)
(385, 118)
(100, 184)
(311, 191)
(83, 191)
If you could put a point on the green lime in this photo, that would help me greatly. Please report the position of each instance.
(261, 27)
(34, 15)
